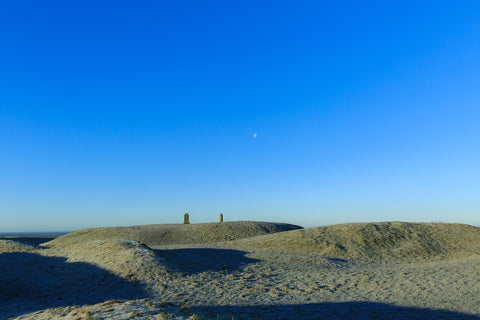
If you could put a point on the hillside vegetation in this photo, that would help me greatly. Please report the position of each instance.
(391, 270)
(373, 241)
(165, 234)
(7, 246)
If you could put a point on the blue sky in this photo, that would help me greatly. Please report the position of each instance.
(134, 112)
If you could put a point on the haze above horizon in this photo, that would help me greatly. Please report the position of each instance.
(308, 112)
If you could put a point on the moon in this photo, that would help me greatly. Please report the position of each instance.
(255, 135)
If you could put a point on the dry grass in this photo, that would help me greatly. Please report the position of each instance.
(121, 310)
(373, 241)
(7, 246)
(164, 234)
(125, 258)
(363, 270)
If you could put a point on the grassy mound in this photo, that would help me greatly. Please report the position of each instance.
(164, 234)
(8, 246)
(125, 258)
(374, 241)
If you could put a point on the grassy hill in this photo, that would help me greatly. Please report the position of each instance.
(164, 234)
(373, 241)
(353, 241)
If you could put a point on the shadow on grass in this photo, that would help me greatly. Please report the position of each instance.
(191, 261)
(341, 310)
(31, 282)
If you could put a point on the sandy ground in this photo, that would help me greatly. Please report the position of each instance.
(120, 279)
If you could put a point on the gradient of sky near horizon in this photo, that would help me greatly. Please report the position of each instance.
(307, 112)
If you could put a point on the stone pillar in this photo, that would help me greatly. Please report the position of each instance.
(186, 219)
(220, 219)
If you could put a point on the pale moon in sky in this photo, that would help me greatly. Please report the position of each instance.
(254, 135)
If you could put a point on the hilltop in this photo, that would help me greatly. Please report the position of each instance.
(165, 234)
(373, 241)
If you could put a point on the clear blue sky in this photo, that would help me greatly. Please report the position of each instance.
(134, 112)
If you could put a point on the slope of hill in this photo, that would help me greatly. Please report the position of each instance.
(373, 241)
(433, 273)
(164, 234)
(7, 246)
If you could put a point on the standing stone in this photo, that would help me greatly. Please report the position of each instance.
(186, 219)
(220, 219)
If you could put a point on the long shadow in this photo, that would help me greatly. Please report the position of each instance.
(191, 261)
(341, 310)
(31, 282)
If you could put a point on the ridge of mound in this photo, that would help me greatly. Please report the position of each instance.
(8, 246)
(373, 241)
(142, 309)
(165, 234)
(125, 258)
